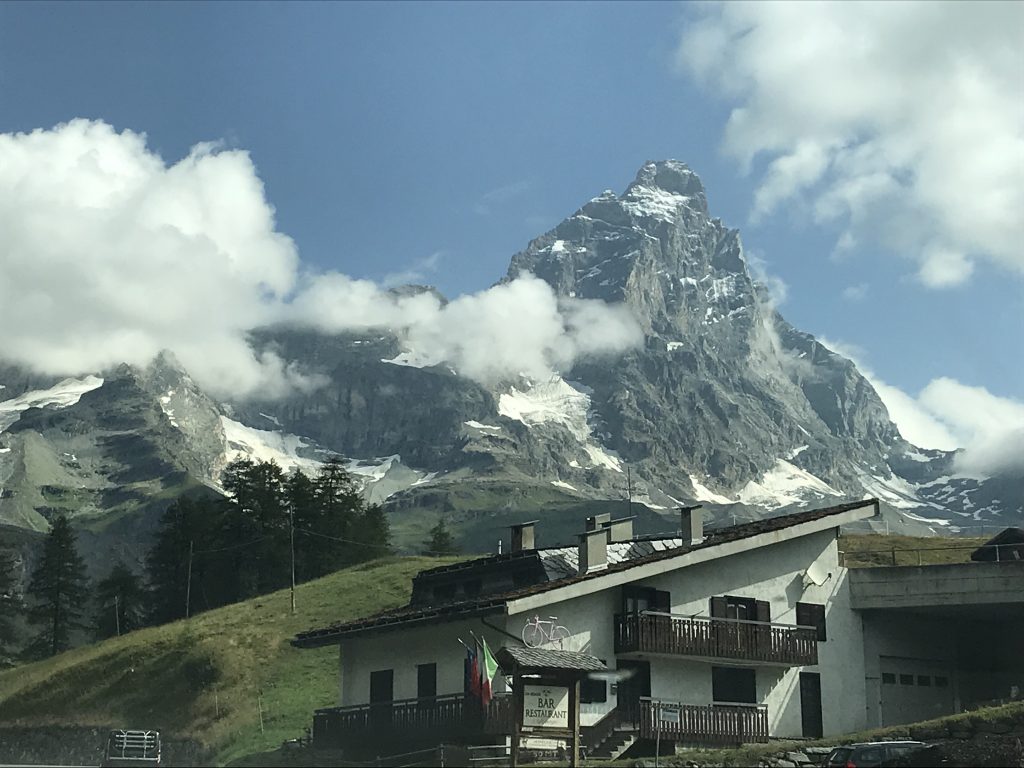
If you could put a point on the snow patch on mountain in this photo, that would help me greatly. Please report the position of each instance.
(654, 202)
(169, 412)
(555, 401)
(263, 445)
(785, 484)
(60, 395)
(702, 493)
(411, 359)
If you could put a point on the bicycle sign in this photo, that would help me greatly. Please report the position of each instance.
(536, 632)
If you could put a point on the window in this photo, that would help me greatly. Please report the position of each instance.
(640, 599)
(888, 678)
(741, 608)
(906, 679)
(734, 684)
(924, 680)
(812, 615)
(941, 682)
(593, 691)
(426, 681)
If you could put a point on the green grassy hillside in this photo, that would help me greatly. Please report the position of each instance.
(207, 678)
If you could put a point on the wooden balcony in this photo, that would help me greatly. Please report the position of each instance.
(456, 717)
(717, 725)
(727, 639)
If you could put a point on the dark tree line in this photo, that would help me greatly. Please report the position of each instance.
(210, 552)
(207, 552)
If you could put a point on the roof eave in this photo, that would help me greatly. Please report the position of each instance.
(612, 578)
(334, 637)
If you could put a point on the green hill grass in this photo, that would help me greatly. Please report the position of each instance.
(207, 678)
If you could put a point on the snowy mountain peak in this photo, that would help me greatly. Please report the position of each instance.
(670, 178)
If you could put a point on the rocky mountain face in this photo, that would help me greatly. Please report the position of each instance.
(725, 404)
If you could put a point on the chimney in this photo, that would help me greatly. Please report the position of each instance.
(620, 530)
(597, 522)
(522, 536)
(692, 524)
(593, 551)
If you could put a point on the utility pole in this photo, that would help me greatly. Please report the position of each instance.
(291, 533)
(117, 615)
(188, 583)
(629, 491)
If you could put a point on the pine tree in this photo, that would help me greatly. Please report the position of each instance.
(373, 534)
(330, 523)
(188, 524)
(441, 542)
(258, 519)
(59, 590)
(120, 602)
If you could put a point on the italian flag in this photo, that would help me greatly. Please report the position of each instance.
(488, 669)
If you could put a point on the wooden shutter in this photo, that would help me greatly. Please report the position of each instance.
(762, 611)
(662, 602)
(718, 608)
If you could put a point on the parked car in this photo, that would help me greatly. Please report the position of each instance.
(872, 754)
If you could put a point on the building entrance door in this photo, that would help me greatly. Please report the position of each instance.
(810, 704)
(382, 694)
(634, 683)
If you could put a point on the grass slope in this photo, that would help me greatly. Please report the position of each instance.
(866, 550)
(207, 678)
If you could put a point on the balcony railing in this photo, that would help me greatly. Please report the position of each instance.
(712, 726)
(732, 639)
(456, 717)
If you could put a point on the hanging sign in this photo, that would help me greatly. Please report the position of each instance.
(545, 706)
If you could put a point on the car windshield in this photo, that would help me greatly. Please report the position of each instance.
(839, 756)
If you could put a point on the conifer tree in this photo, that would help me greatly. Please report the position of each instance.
(187, 525)
(58, 589)
(120, 602)
(441, 543)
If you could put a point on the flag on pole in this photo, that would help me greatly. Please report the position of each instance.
(472, 683)
(488, 669)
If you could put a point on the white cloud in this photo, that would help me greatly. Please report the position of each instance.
(501, 195)
(947, 415)
(902, 121)
(417, 273)
(856, 292)
(109, 255)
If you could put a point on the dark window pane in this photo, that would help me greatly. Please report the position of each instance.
(426, 681)
(592, 691)
(906, 679)
(735, 684)
(924, 680)
(888, 678)
(941, 682)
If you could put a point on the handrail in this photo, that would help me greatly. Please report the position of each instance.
(674, 703)
(698, 617)
(893, 550)
(395, 702)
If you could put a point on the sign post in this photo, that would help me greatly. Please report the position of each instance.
(546, 694)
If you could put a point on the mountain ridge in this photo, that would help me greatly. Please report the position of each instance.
(725, 404)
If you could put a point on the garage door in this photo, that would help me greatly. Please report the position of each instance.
(914, 689)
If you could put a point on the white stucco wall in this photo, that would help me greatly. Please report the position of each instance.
(403, 650)
(775, 573)
(589, 621)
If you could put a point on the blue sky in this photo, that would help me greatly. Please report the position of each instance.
(441, 138)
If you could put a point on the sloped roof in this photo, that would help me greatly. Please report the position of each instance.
(496, 603)
(1008, 544)
(545, 659)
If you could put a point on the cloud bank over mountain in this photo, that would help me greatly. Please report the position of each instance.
(900, 121)
(947, 414)
(110, 254)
